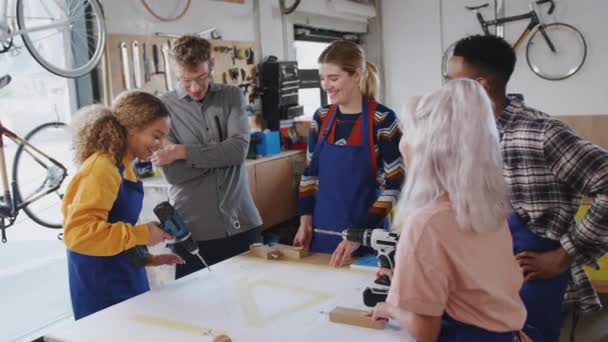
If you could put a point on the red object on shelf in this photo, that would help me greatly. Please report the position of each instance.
(299, 147)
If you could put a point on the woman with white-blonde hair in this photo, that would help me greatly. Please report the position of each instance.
(456, 278)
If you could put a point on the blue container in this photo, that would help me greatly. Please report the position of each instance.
(270, 144)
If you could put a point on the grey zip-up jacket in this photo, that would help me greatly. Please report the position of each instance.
(210, 187)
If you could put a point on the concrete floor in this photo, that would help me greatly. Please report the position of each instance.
(592, 327)
(33, 286)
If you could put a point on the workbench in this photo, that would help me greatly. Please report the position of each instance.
(247, 298)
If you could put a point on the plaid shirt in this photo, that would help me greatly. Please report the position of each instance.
(548, 169)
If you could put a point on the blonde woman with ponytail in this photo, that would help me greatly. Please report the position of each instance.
(354, 171)
(101, 206)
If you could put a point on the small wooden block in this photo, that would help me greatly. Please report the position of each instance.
(290, 252)
(354, 317)
(222, 338)
(263, 251)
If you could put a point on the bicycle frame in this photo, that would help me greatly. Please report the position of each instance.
(13, 204)
(534, 21)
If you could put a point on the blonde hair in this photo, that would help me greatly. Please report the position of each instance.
(102, 129)
(350, 57)
(455, 149)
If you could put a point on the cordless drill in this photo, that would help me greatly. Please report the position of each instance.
(385, 243)
(172, 223)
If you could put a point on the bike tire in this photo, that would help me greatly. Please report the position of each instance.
(36, 217)
(537, 38)
(447, 54)
(96, 23)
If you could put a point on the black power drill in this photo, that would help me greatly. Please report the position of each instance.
(173, 223)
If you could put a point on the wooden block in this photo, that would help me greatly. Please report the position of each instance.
(354, 317)
(263, 251)
(290, 252)
(222, 338)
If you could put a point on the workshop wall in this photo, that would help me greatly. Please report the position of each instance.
(415, 33)
(258, 21)
(233, 21)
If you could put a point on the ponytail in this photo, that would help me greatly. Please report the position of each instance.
(98, 130)
(369, 81)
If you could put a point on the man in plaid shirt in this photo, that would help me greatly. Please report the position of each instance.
(548, 169)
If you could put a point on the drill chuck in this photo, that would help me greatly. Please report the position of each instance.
(362, 236)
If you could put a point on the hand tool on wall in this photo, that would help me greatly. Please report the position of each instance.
(147, 73)
(234, 55)
(126, 69)
(382, 241)
(173, 223)
(105, 79)
(136, 64)
(168, 71)
(156, 59)
(243, 54)
(251, 58)
(234, 74)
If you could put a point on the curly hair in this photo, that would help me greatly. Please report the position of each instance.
(190, 51)
(102, 129)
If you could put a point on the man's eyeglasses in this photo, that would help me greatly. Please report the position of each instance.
(201, 80)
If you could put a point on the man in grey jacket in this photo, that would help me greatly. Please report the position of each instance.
(205, 161)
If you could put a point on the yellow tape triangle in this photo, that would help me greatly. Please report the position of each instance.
(256, 318)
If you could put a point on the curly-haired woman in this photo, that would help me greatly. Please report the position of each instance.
(103, 201)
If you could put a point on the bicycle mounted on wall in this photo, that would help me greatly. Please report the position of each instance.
(554, 51)
(76, 27)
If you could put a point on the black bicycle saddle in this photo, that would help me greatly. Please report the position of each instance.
(474, 8)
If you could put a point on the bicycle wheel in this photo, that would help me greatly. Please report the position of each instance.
(568, 58)
(34, 174)
(445, 59)
(66, 37)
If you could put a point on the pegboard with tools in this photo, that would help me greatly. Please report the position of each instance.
(235, 65)
(142, 62)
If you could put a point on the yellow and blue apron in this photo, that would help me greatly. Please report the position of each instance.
(99, 282)
(347, 180)
(542, 297)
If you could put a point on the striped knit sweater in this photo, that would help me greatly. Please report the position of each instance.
(389, 163)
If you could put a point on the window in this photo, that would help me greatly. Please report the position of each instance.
(33, 276)
(311, 96)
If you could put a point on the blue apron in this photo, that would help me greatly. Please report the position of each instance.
(99, 282)
(347, 183)
(542, 297)
(456, 331)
